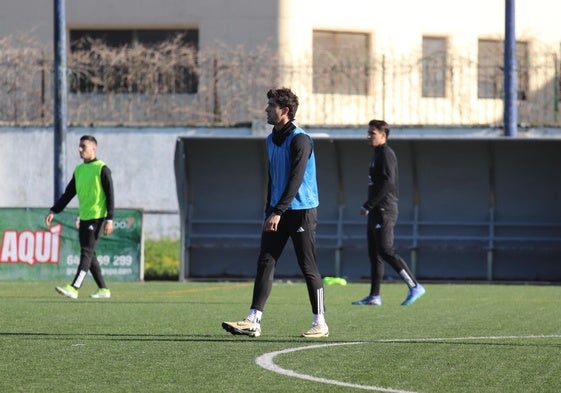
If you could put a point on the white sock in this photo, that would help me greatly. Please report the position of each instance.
(254, 315)
(319, 319)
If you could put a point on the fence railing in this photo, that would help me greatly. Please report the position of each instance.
(175, 85)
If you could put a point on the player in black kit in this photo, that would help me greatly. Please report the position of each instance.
(381, 209)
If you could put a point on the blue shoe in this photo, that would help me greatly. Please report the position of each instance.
(369, 300)
(414, 294)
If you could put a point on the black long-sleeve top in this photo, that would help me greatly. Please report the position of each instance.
(383, 186)
(70, 192)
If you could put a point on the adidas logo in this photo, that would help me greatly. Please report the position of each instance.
(378, 226)
(299, 230)
(90, 228)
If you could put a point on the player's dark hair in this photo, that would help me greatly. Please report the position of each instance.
(285, 98)
(380, 125)
(90, 138)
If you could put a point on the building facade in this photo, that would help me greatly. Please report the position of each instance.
(433, 62)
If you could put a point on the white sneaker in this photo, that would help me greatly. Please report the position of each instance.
(317, 331)
(101, 293)
(244, 327)
(68, 291)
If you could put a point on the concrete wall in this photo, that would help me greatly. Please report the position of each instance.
(141, 161)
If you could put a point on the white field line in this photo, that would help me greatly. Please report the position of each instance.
(412, 340)
(267, 360)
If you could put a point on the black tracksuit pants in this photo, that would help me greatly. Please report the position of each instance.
(380, 237)
(300, 226)
(88, 233)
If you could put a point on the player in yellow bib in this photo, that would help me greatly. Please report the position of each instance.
(93, 184)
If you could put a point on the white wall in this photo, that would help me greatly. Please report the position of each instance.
(141, 161)
(398, 24)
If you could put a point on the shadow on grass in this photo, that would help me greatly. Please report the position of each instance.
(244, 339)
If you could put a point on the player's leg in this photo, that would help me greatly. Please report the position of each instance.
(95, 269)
(376, 265)
(272, 245)
(88, 234)
(304, 240)
(386, 249)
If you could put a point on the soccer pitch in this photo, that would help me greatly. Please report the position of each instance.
(166, 337)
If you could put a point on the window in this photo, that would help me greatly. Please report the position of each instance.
(112, 61)
(523, 66)
(340, 63)
(434, 67)
(490, 77)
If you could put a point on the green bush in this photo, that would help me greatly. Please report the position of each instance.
(161, 259)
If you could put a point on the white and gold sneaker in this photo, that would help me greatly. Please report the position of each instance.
(316, 331)
(244, 327)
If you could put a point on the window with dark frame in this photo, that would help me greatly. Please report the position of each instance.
(100, 76)
(490, 69)
(340, 63)
(434, 62)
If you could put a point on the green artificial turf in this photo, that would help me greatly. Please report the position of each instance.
(166, 337)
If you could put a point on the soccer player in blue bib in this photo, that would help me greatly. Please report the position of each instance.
(290, 213)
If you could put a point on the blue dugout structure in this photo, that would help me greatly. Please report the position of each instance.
(477, 208)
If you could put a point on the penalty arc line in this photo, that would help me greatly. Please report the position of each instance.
(267, 360)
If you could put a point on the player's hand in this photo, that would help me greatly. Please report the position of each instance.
(271, 223)
(49, 218)
(108, 228)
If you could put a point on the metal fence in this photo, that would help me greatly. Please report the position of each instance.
(170, 84)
